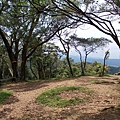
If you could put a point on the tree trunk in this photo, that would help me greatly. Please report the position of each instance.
(69, 64)
(50, 70)
(84, 66)
(32, 69)
(82, 69)
(43, 72)
(81, 62)
(23, 68)
(39, 69)
(67, 50)
(15, 68)
(103, 71)
(12, 56)
(1, 74)
(23, 62)
(9, 69)
(1, 67)
(105, 58)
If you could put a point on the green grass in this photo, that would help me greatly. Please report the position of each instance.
(52, 97)
(4, 94)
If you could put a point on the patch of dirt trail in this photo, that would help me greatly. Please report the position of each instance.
(101, 106)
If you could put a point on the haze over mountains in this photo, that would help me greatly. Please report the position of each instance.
(109, 62)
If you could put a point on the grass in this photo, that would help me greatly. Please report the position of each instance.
(4, 94)
(52, 97)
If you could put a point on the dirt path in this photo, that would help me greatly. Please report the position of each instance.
(22, 105)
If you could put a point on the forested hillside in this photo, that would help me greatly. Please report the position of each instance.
(113, 64)
(113, 70)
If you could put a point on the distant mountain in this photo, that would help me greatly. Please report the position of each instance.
(113, 70)
(109, 62)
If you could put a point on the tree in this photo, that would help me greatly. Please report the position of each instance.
(89, 45)
(107, 54)
(66, 46)
(95, 68)
(73, 43)
(114, 7)
(15, 30)
(21, 25)
(45, 60)
(74, 12)
(85, 15)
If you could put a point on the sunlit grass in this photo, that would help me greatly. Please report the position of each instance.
(4, 94)
(52, 97)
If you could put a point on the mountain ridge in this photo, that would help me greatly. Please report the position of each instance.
(109, 62)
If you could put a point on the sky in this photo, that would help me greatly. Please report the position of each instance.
(91, 31)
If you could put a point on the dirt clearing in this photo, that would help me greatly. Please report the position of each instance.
(102, 106)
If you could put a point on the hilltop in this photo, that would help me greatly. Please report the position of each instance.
(103, 104)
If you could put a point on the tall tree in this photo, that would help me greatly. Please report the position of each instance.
(66, 45)
(89, 45)
(21, 24)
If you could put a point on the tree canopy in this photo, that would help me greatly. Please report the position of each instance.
(26, 26)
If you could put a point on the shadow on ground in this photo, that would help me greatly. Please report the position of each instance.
(111, 114)
(5, 112)
(29, 86)
(11, 100)
(24, 86)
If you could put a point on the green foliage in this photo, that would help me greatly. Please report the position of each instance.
(34, 22)
(52, 97)
(76, 71)
(29, 75)
(4, 94)
(60, 68)
(95, 69)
